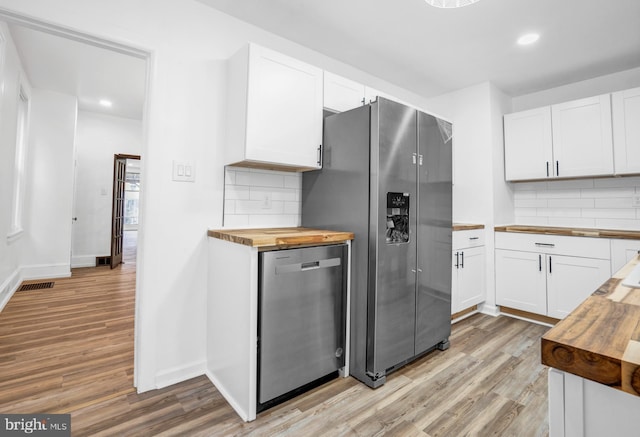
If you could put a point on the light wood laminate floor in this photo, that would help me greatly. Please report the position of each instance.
(69, 349)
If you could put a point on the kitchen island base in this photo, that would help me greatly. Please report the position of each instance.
(579, 407)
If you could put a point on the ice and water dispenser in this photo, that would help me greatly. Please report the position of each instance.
(397, 218)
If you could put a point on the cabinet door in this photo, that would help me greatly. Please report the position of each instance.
(626, 130)
(527, 145)
(470, 278)
(582, 137)
(341, 94)
(284, 110)
(623, 251)
(571, 280)
(521, 281)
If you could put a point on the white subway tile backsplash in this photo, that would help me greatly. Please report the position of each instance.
(571, 184)
(617, 182)
(570, 203)
(572, 222)
(603, 203)
(615, 202)
(610, 213)
(233, 192)
(530, 203)
(609, 192)
(261, 198)
(633, 225)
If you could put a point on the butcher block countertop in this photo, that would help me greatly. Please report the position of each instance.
(570, 232)
(600, 340)
(466, 226)
(280, 238)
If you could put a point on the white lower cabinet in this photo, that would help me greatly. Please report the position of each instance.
(622, 251)
(468, 279)
(521, 281)
(548, 275)
(570, 280)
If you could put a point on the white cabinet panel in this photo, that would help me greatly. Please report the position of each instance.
(275, 110)
(521, 281)
(622, 251)
(468, 285)
(342, 94)
(528, 147)
(626, 130)
(582, 137)
(549, 274)
(469, 274)
(570, 280)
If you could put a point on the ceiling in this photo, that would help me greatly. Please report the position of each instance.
(431, 51)
(84, 70)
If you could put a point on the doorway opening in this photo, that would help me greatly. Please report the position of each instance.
(124, 211)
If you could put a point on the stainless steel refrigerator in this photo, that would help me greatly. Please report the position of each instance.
(386, 177)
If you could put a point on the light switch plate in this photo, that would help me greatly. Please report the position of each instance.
(184, 171)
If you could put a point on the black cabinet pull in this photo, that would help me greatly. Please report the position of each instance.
(457, 260)
(320, 156)
(557, 168)
(549, 263)
(547, 168)
(539, 263)
(462, 259)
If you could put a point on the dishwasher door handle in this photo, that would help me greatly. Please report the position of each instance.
(311, 265)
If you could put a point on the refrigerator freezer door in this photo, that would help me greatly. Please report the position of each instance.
(392, 299)
(433, 300)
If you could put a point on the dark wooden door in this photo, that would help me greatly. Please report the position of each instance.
(117, 215)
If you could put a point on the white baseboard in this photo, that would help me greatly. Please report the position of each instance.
(244, 415)
(45, 271)
(490, 310)
(180, 374)
(83, 261)
(9, 287)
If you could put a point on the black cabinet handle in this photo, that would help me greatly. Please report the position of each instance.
(457, 260)
(549, 263)
(539, 263)
(547, 168)
(320, 156)
(462, 259)
(557, 168)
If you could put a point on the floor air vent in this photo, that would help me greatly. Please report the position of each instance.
(103, 261)
(36, 286)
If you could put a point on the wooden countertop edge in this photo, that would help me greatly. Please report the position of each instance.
(600, 339)
(571, 232)
(465, 227)
(281, 238)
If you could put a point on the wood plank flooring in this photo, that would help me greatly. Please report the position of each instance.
(70, 349)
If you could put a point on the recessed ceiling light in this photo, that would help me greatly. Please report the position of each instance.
(450, 3)
(106, 103)
(528, 38)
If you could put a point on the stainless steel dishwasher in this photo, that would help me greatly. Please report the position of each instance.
(301, 321)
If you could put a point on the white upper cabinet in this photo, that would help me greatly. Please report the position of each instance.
(528, 150)
(275, 111)
(567, 140)
(342, 94)
(582, 137)
(626, 130)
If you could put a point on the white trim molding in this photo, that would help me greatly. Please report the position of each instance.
(179, 374)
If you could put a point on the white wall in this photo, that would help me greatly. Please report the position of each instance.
(98, 138)
(10, 72)
(586, 88)
(48, 200)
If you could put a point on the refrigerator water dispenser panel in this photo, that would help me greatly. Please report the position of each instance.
(397, 218)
